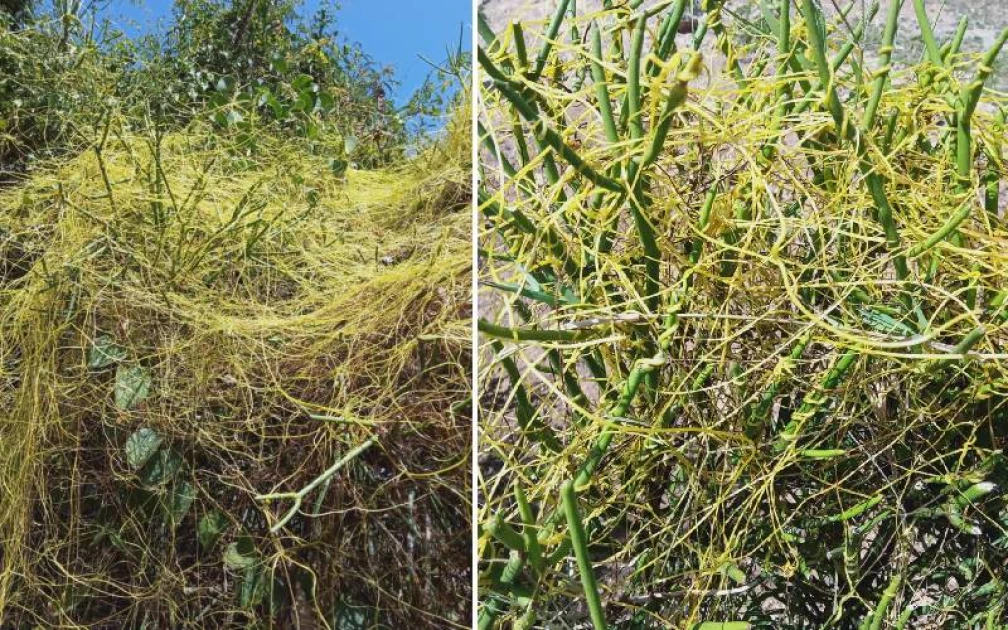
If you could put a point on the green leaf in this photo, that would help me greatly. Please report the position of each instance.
(349, 144)
(279, 64)
(161, 468)
(132, 386)
(326, 101)
(338, 166)
(303, 82)
(305, 102)
(351, 616)
(253, 587)
(141, 446)
(104, 352)
(266, 98)
(180, 499)
(241, 554)
(210, 527)
(217, 101)
(234, 117)
(734, 572)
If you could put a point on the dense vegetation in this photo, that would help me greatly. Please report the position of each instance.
(234, 350)
(745, 321)
(253, 65)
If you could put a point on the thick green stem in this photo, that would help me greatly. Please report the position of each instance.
(601, 87)
(927, 33)
(885, 51)
(579, 541)
(529, 531)
(634, 122)
(530, 334)
(549, 37)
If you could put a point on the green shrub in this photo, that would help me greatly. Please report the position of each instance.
(248, 67)
(54, 84)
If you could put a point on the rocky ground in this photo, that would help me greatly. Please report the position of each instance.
(986, 19)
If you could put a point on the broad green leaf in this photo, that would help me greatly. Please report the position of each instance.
(180, 499)
(338, 166)
(161, 468)
(210, 527)
(253, 587)
(326, 101)
(351, 616)
(349, 144)
(141, 446)
(132, 386)
(217, 101)
(735, 573)
(279, 111)
(241, 554)
(234, 117)
(303, 82)
(104, 352)
(305, 101)
(279, 64)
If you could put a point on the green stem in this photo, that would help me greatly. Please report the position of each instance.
(927, 34)
(549, 37)
(885, 51)
(299, 496)
(634, 122)
(878, 615)
(547, 135)
(529, 531)
(579, 541)
(530, 334)
(815, 400)
(601, 86)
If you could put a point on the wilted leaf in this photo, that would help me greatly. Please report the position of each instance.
(141, 446)
(104, 352)
(132, 386)
(210, 527)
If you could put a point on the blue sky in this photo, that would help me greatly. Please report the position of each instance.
(393, 32)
